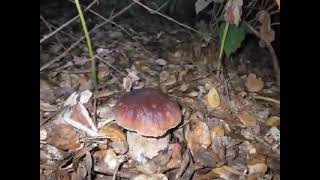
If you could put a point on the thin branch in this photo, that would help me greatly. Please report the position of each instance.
(275, 24)
(106, 62)
(165, 16)
(267, 99)
(45, 37)
(50, 30)
(73, 45)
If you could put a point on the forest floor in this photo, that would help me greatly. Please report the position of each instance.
(230, 122)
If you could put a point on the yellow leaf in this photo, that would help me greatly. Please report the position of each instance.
(213, 98)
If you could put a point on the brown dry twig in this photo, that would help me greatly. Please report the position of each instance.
(50, 30)
(45, 37)
(110, 172)
(266, 99)
(73, 45)
(184, 164)
(271, 50)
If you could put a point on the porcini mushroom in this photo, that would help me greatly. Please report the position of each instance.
(147, 114)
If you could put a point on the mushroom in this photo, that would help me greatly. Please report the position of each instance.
(147, 114)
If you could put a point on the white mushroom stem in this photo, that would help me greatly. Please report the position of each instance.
(141, 147)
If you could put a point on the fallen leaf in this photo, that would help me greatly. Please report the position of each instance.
(151, 177)
(64, 137)
(130, 79)
(84, 83)
(273, 135)
(227, 172)
(62, 175)
(257, 167)
(213, 98)
(247, 119)
(198, 136)
(113, 133)
(111, 159)
(47, 107)
(253, 84)
(161, 62)
(233, 11)
(43, 134)
(266, 32)
(273, 121)
(176, 158)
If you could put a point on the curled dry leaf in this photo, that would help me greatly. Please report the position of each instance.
(253, 84)
(266, 32)
(113, 133)
(213, 98)
(233, 11)
(64, 137)
(273, 135)
(273, 121)
(247, 119)
(78, 117)
(198, 136)
(130, 79)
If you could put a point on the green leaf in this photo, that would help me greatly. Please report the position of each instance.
(234, 38)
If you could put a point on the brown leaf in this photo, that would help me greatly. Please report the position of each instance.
(113, 133)
(257, 167)
(176, 158)
(233, 11)
(253, 84)
(227, 172)
(213, 98)
(130, 79)
(120, 147)
(62, 175)
(64, 137)
(266, 32)
(247, 119)
(273, 121)
(198, 136)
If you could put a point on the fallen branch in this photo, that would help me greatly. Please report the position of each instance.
(110, 172)
(266, 99)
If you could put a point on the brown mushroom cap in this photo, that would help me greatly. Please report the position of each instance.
(148, 112)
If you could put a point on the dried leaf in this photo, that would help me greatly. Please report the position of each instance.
(161, 62)
(247, 119)
(253, 84)
(78, 117)
(273, 135)
(273, 121)
(266, 32)
(113, 133)
(130, 79)
(278, 3)
(257, 167)
(227, 172)
(176, 158)
(233, 11)
(111, 159)
(88, 164)
(213, 98)
(151, 177)
(164, 75)
(198, 137)
(62, 175)
(84, 83)
(43, 134)
(64, 137)
(201, 5)
(47, 107)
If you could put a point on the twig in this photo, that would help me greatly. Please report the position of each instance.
(275, 23)
(266, 99)
(50, 30)
(167, 17)
(271, 50)
(45, 37)
(73, 45)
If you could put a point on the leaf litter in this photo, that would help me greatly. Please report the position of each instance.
(223, 135)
